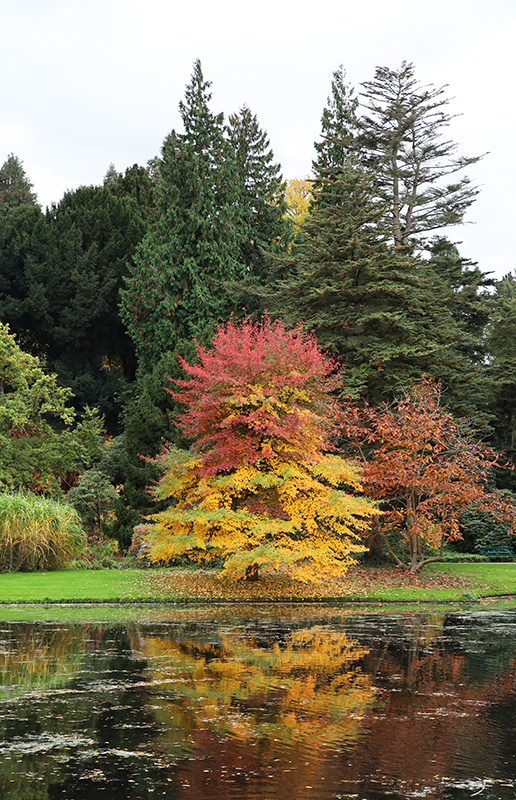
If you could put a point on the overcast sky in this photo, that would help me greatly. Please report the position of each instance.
(88, 82)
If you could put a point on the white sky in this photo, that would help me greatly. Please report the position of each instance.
(84, 83)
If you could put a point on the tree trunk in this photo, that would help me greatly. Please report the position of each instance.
(251, 572)
(373, 540)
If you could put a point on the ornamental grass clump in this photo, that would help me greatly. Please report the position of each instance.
(38, 533)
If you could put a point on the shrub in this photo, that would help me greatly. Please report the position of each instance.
(38, 533)
(100, 553)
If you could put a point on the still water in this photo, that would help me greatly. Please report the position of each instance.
(261, 703)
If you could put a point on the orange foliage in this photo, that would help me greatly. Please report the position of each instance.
(425, 467)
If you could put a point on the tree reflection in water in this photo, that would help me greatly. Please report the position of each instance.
(308, 687)
(260, 704)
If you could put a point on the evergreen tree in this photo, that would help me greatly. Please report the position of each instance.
(23, 240)
(262, 192)
(396, 132)
(468, 296)
(136, 183)
(175, 287)
(385, 314)
(501, 347)
(62, 272)
(15, 187)
(339, 127)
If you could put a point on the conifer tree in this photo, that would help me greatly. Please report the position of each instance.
(339, 127)
(175, 287)
(501, 347)
(263, 192)
(15, 187)
(396, 132)
(383, 313)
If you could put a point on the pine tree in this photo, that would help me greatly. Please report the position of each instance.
(402, 130)
(175, 287)
(339, 127)
(263, 192)
(384, 314)
(396, 132)
(15, 187)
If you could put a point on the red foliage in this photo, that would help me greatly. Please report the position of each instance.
(425, 467)
(258, 392)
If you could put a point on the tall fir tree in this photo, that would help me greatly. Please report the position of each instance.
(175, 289)
(396, 130)
(339, 128)
(15, 187)
(262, 193)
(385, 314)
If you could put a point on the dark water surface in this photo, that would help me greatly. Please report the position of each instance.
(261, 703)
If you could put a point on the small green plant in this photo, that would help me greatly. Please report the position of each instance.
(38, 533)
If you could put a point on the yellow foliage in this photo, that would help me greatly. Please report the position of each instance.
(279, 514)
(313, 679)
(298, 194)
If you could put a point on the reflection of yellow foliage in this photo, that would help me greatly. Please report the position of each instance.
(39, 658)
(286, 516)
(308, 689)
(298, 194)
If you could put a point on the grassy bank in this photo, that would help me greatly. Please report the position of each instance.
(439, 583)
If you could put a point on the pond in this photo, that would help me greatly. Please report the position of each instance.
(258, 702)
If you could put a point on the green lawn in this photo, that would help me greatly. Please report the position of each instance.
(439, 583)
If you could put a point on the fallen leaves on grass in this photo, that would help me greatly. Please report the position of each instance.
(359, 582)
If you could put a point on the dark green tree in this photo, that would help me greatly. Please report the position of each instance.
(399, 139)
(15, 187)
(23, 241)
(339, 128)
(468, 296)
(386, 315)
(262, 200)
(137, 183)
(501, 347)
(175, 287)
(62, 273)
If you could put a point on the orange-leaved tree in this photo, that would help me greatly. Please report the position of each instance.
(424, 467)
(259, 487)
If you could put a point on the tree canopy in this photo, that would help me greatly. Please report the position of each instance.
(258, 487)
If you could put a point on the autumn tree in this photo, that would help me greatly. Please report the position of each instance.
(424, 467)
(258, 489)
(298, 194)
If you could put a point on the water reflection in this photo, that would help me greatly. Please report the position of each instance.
(242, 703)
